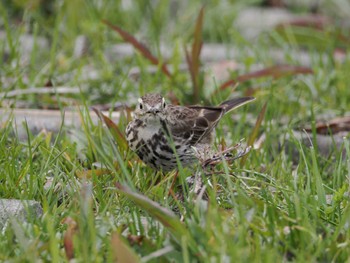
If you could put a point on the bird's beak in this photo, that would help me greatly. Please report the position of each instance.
(153, 111)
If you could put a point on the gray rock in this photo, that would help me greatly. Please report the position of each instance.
(327, 145)
(253, 21)
(81, 46)
(45, 120)
(20, 210)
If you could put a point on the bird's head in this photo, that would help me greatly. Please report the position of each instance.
(152, 105)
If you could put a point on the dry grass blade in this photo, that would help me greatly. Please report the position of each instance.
(315, 30)
(276, 71)
(192, 73)
(118, 135)
(313, 21)
(72, 228)
(195, 55)
(163, 215)
(197, 43)
(139, 46)
(255, 131)
(167, 217)
(121, 251)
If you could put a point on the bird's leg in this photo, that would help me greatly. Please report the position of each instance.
(171, 192)
(226, 154)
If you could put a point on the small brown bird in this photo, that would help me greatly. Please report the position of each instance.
(160, 132)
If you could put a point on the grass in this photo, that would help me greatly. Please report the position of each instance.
(267, 210)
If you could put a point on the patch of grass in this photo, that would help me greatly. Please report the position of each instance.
(103, 203)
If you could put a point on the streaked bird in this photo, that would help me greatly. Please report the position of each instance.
(162, 133)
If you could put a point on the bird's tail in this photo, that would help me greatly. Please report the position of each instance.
(235, 103)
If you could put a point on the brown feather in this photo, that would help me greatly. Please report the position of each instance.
(200, 120)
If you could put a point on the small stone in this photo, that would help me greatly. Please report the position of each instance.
(21, 210)
(81, 46)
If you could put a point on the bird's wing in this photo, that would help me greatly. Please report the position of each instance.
(193, 123)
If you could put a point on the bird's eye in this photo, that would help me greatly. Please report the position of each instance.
(164, 104)
(140, 106)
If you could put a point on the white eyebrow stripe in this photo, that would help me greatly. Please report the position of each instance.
(140, 100)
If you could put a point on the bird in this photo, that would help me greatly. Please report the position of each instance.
(163, 134)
